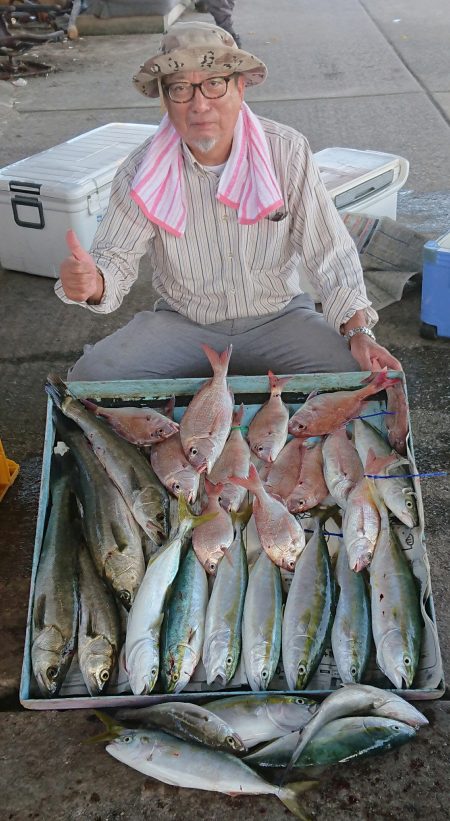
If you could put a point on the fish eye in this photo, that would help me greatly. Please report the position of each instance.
(126, 739)
(175, 676)
(160, 431)
(260, 448)
(154, 671)
(176, 486)
(231, 741)
(229, 661)
(407, 661)
(300, 701)
(409, 503)
(193, 451)
(264, 674)
(212, 567)
(52, 673)
(291, 565)
(125, 596)
(302, 669)
(300, 425)
(353, 670)
(104, 675)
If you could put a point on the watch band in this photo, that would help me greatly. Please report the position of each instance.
(360, 330)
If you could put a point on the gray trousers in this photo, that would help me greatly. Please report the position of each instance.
(163, 343)
(222, 10)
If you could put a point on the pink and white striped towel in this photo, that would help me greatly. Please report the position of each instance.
(247, 183)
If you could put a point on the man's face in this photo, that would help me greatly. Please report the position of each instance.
(205, 125)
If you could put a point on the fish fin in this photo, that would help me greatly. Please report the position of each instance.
(117, 532)
(227, 555)
(39, 612)
(376, 464)
(312, 395)
(169, 407)
(241, 518)
(277, 383)
(90, 405)
(248, 482)
(290, 795)
(90, 631)
(380, 380)
(213, 489)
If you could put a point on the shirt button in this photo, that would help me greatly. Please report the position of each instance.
(232, 290)
(230, 256)
(225, 217)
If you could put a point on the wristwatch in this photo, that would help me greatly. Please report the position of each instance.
(359, 330)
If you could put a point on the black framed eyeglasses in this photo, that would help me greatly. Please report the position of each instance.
(212, 89)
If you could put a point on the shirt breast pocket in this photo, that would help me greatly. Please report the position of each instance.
(268, 242)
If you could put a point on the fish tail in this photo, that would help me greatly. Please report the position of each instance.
(277, 383)
(184, 512)
(56, 389)
(219, 361)
(213, 489)
(290, 796)
(112, 731)
(379, 380)
(169, 407)
(238, 416)
(251, 482)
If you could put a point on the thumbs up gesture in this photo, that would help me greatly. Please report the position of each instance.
(79, 275)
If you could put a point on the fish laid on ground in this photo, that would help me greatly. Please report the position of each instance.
(260, 717)
(173, 469)
(326, 412)
(110, 530)
(261, 623)
(124, 463)
(397, 493)
(282, 474)
(187, 721)
(181, 764)
(268, 429)
(308, 613)
(397, 419)
(206, 422)
(352, 699)
(280, 533)
(99, 631)
(139, 425)
(184, 625)
(212, 539)
(146, 615)
(396, 618)
(361, 525)
(310, 488)
(233, 461)
(55, 608)
(342, 467)
(351, 634)
(344, 739)
(223, 626)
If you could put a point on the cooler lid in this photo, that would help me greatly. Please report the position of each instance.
(351, 174)
(72, 169)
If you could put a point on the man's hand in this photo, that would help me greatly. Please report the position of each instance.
(80, 278)
(371, 356)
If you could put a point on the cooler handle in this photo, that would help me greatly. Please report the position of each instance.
(32, 202)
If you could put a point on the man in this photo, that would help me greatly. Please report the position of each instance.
(228, 206)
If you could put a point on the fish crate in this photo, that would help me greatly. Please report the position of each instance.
(253, 392)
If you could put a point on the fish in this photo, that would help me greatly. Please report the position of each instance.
(282, 474)
(212, 539)
(308, 613)
(187, 721)
(182, 764)
(261, 623)
(396, 618)
(126, 466)
(206, 422)
(397, 419)
(361, 525)
(268, 429)
(147, 612)
(173, 469)
(351, 634)
(233, 461)
(222, 643)
(344, 739)
(138, 425)
(184, 625)
(280, 533)
(110, 530)
(397, 493)
(353, 699)
(326, 412)
(99, 631)
(260, 717)
(342, 467)
(310, 489)
(54, 622)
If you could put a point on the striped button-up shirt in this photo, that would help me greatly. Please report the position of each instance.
(221, 270)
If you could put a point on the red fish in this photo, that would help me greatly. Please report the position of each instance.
(140, 426)
(268, 429)
(397, 419)
(213, 538)
(233, 461)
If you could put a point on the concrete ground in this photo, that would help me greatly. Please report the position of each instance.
(362, 73)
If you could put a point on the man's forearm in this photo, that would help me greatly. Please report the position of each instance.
(356, 321)
(96, 297)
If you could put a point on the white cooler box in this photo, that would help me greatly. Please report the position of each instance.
(66, 186)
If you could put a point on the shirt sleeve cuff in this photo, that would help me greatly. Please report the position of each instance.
(342, 304)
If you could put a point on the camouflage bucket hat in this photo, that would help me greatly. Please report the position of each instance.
(197, 47)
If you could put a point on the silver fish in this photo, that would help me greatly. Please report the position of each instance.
(99, 632)
(351, 634)
(110, 530)
(55, 606)
(361, 525)
(125, 465)
(187, 721)
(261, 624)
(259, 717)
(342, 467)
(222, 644)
